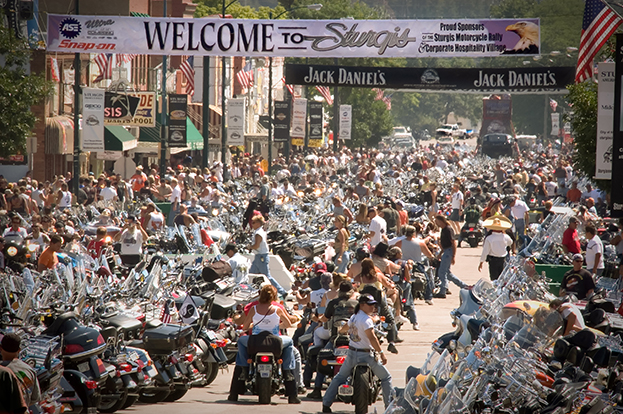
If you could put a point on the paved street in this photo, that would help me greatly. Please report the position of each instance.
(433, 320)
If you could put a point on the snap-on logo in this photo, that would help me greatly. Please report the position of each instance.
(70, 28)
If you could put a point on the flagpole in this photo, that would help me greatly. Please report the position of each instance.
(336, 112)
(164, 139)
(77, 90)
(545, 119)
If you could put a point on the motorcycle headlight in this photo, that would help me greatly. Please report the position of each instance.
(12, 251)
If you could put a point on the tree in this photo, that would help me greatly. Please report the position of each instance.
(371, 119)
(19, 91)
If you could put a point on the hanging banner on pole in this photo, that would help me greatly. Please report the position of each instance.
(235, 122)
(346, 121)
(92, 137)
(294, 38)
(605, 121)
(315, 124)
(616, 154)
(555, 124)
(299, 121)
(178, 104)
(130, 109)
(281, 123)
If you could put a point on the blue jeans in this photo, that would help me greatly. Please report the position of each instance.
(520, 228)
(260, 266)
(445, 274)
(407, 306)
(343, 267)
(286, 352)
(352, 359)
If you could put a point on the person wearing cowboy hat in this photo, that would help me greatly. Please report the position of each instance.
(495, 246)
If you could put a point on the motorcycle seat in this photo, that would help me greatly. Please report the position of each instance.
(55, 328)
(137, 343)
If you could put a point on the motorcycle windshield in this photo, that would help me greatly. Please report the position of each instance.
(545, 325)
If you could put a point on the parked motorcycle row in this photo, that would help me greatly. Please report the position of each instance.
(508, 353)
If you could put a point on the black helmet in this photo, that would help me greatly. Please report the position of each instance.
(362, 253)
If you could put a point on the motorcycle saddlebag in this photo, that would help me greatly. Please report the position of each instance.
(584, 339)
(600, 304)
(216, 270)
(222, 307)
(325, 355)
(168, 337)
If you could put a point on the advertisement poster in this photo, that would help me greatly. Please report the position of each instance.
(315, 125)
(92, 137)
(281, 123)
(294, 38)
(605, 121)
(235, 122)
(131, 109)
(555, 124)
(346, 121)
(299, 121)
(461, 80)
(177, 120)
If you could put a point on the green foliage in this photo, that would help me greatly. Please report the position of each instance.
(583, 120)
(19, 90)
(236, 10)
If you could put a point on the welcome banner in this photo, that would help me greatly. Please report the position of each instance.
(293, 38)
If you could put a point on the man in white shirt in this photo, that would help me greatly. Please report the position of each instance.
(378, 227)
(457, 207)
(519, 210)
(239, 264)
(495, 247)
(15, 233)
(108, 193)
(175, 199)
(591, 193)
(594, 251)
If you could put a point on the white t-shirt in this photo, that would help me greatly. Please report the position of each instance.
(593, 247)
(378, 225)
(108, 193)
(131, 242)
(358, 324)
(568, 309)
(519, 209)
(457, 200)
(263, 249)
(36, 196)
(316, 296)
(176, 195)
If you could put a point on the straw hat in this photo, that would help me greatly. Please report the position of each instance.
(497, 223)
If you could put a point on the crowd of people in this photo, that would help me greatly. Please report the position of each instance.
(366, 191)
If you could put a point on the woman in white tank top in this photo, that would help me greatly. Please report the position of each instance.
(266, 315)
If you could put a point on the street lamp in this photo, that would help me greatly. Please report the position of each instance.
(314, 7)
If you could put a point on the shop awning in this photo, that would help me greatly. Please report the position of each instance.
(117, 138)
(59, 135)
(194, 139)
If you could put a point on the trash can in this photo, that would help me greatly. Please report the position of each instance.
(165, 209)
(555, 273)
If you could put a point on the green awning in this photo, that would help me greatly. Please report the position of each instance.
(137, 14)
(117, 138)
(194, 139)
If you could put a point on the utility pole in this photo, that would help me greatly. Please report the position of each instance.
(270, 112)
(206, 111)
(336, 112)
(164, 136)
(77, 91)
(223, 128)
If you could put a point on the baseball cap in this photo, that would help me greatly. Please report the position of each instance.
(367, 299)
(320, 268)
(11, 342)
(400, 203)
(578, 256)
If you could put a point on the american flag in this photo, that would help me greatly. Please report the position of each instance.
(127, 58)
(166, 313)
(388, 102)
(245, 75)
(104, 63)
(290, 87)
(379, 94)
(553, 104)
(326, 93)
(188, 70)
(54, 72)
(599, 23)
